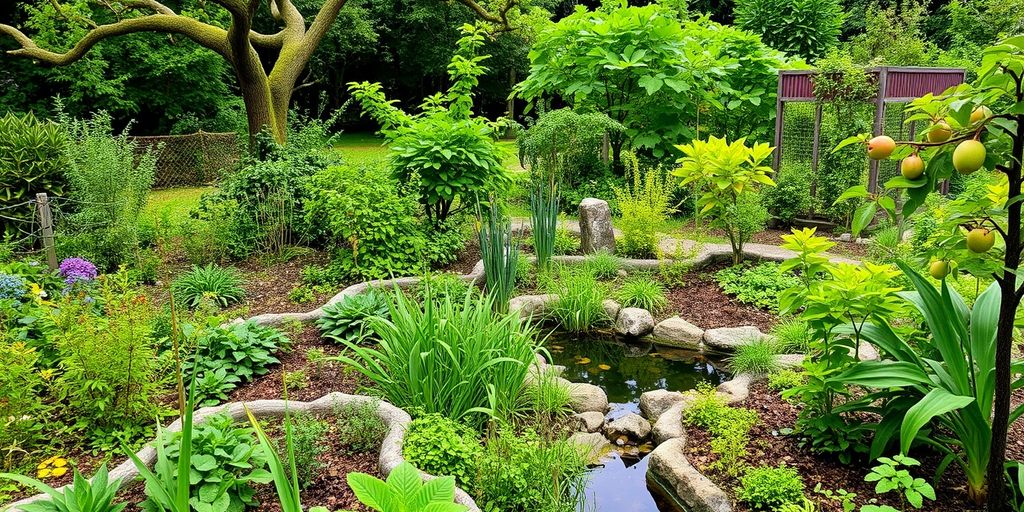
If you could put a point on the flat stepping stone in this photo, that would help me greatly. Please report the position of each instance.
(728, 338)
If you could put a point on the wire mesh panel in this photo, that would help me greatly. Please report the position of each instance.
(797, 135)
(190, 160)
(894, 125)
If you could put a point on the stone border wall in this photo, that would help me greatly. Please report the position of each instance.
(390, 451)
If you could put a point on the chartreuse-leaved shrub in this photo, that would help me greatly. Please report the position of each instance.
(403, 490)
(348, 319)
(451, 152)
(729, 428)
(645, 203)
(369, 221)
(456, 358)
(770, 488)
(226, 463)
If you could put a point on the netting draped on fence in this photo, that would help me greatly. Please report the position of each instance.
(191, 160)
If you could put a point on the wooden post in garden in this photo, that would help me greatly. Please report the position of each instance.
(46, 228)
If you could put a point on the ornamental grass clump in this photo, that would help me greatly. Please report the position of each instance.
(455, 358)
(579, 305)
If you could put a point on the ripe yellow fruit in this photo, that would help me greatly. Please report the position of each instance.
(969, 156)
(939, 132)
(881, 147)
(980, 240)
(912, 167)
(980, 113)
(939, 269)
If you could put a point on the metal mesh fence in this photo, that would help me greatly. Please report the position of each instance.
(797, 134)
(190, 160)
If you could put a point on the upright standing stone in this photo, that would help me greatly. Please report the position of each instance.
(596, 229)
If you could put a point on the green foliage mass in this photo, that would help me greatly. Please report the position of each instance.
(32, 160)
(642, 291)
(225, 357)
(348, 319)
(807, 28)
(759, 285)
(368, 219)
(218, 286)
(769, 488)
(756, 357)
(443, 447)
(580, 296)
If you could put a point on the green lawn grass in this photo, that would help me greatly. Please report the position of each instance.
(362, 148)
(175, 203)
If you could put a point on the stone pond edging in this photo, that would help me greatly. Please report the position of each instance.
(390, 456)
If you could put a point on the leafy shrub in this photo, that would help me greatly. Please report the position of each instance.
(453, 358)
(785, 379)
(769, 488)
(241, 351)
(756, 357)
(210, 284)
(601, 186)
(603, 264)
(22, 386)
(792, 336)
(579, 305)
(225, 463)
(451, 152)
(759, 285)
(444, 241)
(348, 319)
(443, 447)
(644, 204)
(109, 379)
(728, 176)
(525, 472)
(567, 145)
(32, 160)
(791, 197)
(805, 28)
(105, 224)
(360, 429)
(369, 219)
(642, 292)
(308, 433)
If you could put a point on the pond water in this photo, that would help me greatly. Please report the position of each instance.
(625, 371)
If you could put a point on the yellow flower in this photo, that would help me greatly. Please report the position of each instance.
(59, 471)
(43, 473)
(60, 462)
(48, 373)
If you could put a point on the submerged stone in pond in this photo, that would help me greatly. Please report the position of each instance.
(592, 446)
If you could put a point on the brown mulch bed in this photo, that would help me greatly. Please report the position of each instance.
(267, 285)
(468, 258)
(769, 447)
(333, 376)
(703, 303)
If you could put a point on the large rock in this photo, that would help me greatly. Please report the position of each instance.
(728, 338)
(596, 231)
(669, 466)
(631, 425)
(587, 398)
(634, 322)
(676, 332)
(868, 352)
(653, 403)
(737, 389)
(789, 361)
(589, 421)
(670, 424)
(531, 305)
(611, 309)
(592, 446)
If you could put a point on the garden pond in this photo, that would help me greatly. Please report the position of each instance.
(625, 371)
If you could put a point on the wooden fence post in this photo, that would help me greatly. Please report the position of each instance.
(46, 228)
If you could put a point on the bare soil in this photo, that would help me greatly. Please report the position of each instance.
(703, 303)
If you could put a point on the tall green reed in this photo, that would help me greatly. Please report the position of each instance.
(500, 254)
(544, 199)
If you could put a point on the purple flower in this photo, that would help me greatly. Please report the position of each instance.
(75, 270)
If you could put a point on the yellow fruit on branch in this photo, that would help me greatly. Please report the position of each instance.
(969, 156)
(912, 167)
(939, 132)
(980, 240)
(880, 147)
(939, 269)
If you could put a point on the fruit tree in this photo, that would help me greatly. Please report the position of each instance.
(973, 127)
